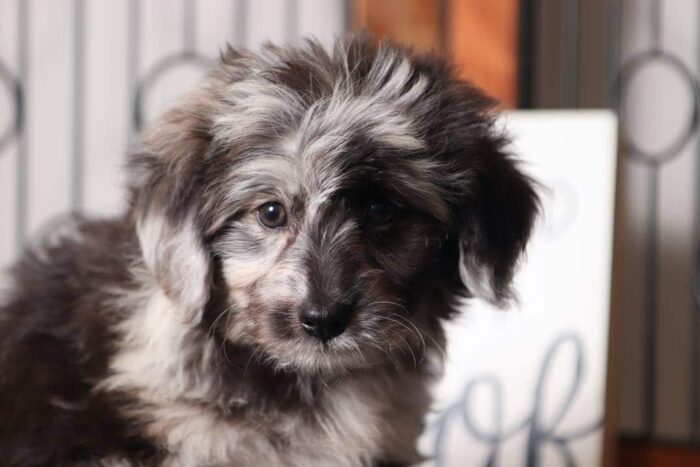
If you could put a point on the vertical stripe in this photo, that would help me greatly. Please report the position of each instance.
(189, 44)
(78, 161)
(347, 15)
(291, 23)
(571, 54)
(612, 51)
(656, 22)
(134, 38)
(526, 53)
(443, 25)
(240, 23)
(695, 311)
(651, 286)
(22, 214)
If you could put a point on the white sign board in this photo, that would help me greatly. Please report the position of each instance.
(526, 386)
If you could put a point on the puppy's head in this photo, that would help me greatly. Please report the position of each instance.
(339, 202)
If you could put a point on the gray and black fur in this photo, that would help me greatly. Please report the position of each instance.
(187, 332)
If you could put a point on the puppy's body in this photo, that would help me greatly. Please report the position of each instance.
(93, 371)
(298, 230)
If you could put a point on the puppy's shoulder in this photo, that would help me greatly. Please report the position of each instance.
(60, 292)
(56, 336)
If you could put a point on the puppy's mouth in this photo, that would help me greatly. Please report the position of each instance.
(336, 344)
(330, 349)
(306, 357)
(322, 341)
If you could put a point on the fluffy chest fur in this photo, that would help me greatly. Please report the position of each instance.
(172, 373)
(345, 431)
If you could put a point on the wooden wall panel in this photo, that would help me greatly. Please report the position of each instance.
(482, 40)
(413, 22)
(480, 36)
(635, 454)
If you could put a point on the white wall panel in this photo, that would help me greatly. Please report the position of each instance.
(322, 18)
(106, 105)
(267, 20)
(8, 149)
(161, 47)
(49, 110)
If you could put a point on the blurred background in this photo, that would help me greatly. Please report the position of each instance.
(80, 78)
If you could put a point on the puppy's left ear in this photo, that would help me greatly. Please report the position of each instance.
(176, 257)
(495, 224)
(167, 208)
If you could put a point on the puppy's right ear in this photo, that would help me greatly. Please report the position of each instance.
(166, 209)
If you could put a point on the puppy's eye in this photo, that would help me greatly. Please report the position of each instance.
(380, 212)
(272, 215)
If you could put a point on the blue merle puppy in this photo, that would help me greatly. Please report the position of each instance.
(298, 230)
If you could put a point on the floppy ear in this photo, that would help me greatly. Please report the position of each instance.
(495, 226)
(166, 209)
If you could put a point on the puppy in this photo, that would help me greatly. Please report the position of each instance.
(298, 230)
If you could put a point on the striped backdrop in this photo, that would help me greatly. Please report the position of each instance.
(80, 77)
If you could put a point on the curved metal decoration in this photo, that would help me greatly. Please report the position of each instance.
(159, 70)
(14, 88)
(673, 149)
(187, 55)
(654, 161)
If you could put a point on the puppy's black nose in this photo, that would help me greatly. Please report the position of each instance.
(325, 324)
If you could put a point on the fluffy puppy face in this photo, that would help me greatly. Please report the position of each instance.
(337, 202)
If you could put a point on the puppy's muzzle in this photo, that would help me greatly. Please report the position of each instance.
(325, 324)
